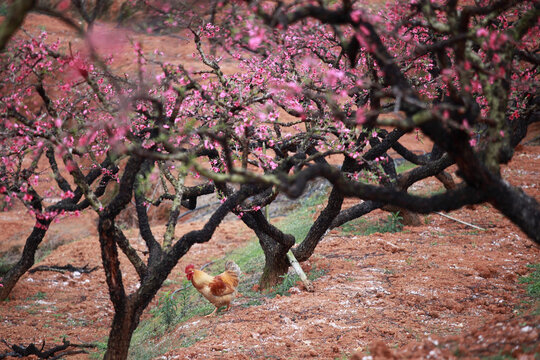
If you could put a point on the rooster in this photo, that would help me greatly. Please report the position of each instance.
(220, 290)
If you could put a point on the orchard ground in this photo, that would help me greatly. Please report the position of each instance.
(439, 290)
(408, 292)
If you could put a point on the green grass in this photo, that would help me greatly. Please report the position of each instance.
(499, 356)
(299, 221)
(7, 261)
(533, 287)
(533, 281)
(40, 295)
(391, 224)
(167, 308)
(428, 192)
(405, 166)
(151, 338)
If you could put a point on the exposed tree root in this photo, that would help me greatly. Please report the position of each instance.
(55, 352)
(62, 269)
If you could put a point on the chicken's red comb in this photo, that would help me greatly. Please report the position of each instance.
(189, 267)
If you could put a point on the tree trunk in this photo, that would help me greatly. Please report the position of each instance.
(124, 321)
(408, 217)
(124, 324)
(276, 262)
(275, 245)
(25, 262)
(306, 248)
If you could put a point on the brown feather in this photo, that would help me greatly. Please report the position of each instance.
(224, 283)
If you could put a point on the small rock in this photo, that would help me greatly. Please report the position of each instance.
(485, 271)
(294, 290)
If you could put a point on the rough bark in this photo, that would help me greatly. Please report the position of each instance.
(125, 320)
(319, 227)
(480, 171)
(276, 263)
(275, 245)
(128, 308)
(38, 233)
(354, 212)
(26, 261)
(124, 323)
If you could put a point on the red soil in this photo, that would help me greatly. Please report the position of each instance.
(434, 291)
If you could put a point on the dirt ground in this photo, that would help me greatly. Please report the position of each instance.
(439, 283)
(440, 290)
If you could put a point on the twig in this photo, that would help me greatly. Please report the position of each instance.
(69, 352)
(197, 209)
(459, 221)
(62, 269)
(31, 349)
(207, 264)
(181, 289)
(296, 266)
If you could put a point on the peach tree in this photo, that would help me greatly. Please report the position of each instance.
(282, 91)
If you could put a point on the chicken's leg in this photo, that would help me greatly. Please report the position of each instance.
(212, 313)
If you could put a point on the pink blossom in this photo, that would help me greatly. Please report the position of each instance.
(160, 77)
(67, 195)
(482, 32)
(256, 38)
(356, 15)
(360, 117)
(273, 165)
(333, 76)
